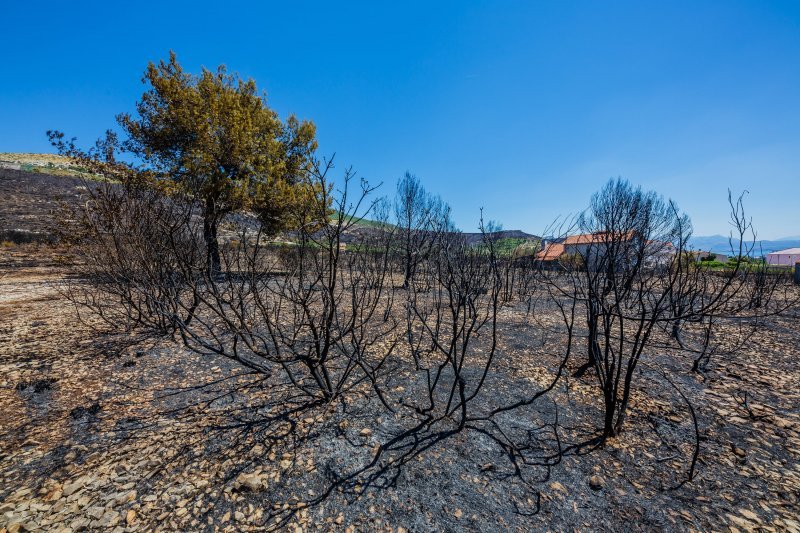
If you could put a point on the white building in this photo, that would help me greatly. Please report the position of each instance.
(787, 257)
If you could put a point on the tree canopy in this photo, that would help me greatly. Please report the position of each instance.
(214, 135)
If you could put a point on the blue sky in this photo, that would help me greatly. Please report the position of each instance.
(522, 108)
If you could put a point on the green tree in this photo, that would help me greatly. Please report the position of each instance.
(214, 136)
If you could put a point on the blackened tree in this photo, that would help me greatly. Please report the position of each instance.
(420, 219)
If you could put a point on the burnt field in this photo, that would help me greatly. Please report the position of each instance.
(389, 375)
(454, 268)
(128, 431)
(30, 199)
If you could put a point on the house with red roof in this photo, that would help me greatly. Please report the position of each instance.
(590, 246)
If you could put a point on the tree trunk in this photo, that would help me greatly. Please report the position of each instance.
(610, 409)
(409, 260)
(676, 332)
(622, 411)
(593, 347)
(210, 224)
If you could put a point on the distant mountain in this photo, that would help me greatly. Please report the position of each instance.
(721, 244)
(795, 238)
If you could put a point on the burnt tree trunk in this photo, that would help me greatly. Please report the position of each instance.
(210, 224)
(593, 347)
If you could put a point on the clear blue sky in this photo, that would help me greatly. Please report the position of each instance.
(524, 108)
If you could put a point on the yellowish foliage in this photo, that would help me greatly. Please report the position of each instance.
(214, 136)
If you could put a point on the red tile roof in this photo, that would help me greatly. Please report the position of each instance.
(551, 252)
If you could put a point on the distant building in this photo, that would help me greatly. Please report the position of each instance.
(702, 255)
(581, 245)
(590, 247)
(787, 257)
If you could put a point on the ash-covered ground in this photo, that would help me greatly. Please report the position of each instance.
(118, 432)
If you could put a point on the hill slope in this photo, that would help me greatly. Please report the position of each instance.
(51, 164)
(30, 199)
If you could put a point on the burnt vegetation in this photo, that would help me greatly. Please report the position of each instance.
(292, 314)
(407, 315)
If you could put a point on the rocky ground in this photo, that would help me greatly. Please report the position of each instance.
(101, 431)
